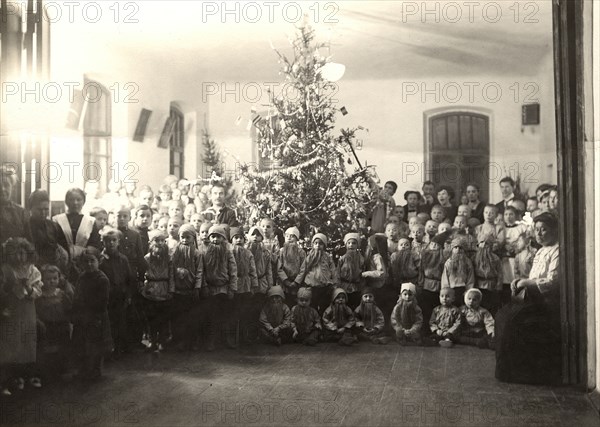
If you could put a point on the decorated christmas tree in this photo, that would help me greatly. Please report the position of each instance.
(313, 178)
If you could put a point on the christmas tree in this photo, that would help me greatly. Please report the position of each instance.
(314, 180)
(216, 168)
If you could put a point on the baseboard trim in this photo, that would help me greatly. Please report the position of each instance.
(594, 397)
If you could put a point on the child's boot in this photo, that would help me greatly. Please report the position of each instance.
(384, 340)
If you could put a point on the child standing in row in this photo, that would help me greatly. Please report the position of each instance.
(291, 256)
(122, 287)
(20, 285)
(404, 263)
(220, 281)
(264, 274)
(488, 275)
(53, 309)
(524, 257)
(91, 324)
(377, 273)
(271, 243)
(430, 274)
(458, 269)
(318, 272)
(512, 231)
(247, 280)
(186, 285)
(490, 228)
(156, 290)
(350, 267)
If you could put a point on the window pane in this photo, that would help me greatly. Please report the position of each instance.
(480, 133)
(453, 134)
(466, 135)
(439, 134)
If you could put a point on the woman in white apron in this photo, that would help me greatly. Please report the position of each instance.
(80, 230)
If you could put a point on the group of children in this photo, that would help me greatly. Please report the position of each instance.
(178, 273)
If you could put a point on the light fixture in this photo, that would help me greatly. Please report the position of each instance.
(332, 71)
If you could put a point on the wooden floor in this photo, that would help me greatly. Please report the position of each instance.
(364, 385)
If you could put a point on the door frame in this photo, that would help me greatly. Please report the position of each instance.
(570, 138)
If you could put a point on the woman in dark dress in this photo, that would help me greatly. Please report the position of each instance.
(446, 196)
(474, 203)
(528, 342)
(13, 219)
(48, 238)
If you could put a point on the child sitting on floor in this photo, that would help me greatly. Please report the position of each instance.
(477, 324)
(276, 318)
(339, 319)
(445, 320)
(407, 317)
(369, 319)
(306, 320)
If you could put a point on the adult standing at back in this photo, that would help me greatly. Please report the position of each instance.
(218, 212)
(507, 187)
(13, 219)
(383, 207)
(474, 202)
(445, 197)
(429, 199)
(80, 230)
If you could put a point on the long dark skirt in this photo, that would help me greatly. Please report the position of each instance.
(528, 344)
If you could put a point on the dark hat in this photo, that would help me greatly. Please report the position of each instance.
(409, 192)
(236, 231)
(367, 290)
(547, 218)
(441, 238)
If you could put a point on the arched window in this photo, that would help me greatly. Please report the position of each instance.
(176, 143)
(458, 151)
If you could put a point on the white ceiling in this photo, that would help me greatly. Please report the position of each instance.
(374, 39)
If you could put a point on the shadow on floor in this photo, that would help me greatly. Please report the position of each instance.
(366, 385)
